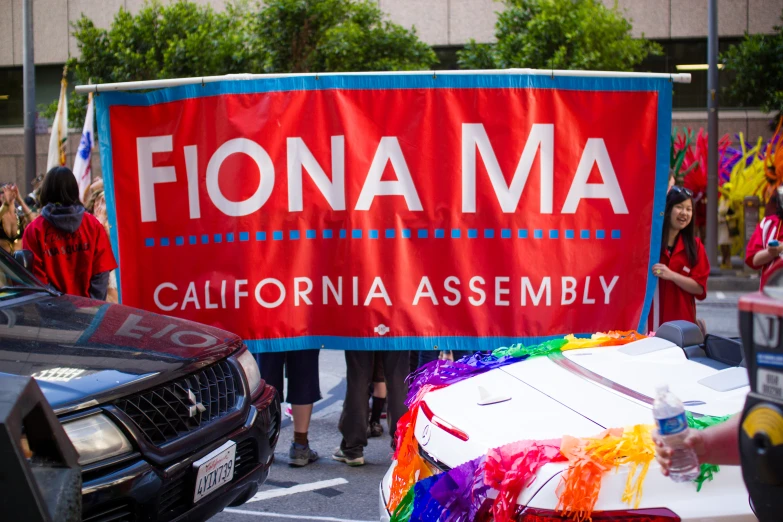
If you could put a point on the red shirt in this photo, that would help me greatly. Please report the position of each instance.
(672, 303)
(67, 260)
(766, 231)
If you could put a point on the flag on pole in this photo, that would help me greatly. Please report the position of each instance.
(59, 128)
(82, 163)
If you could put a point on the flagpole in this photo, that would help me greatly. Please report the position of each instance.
(28, 81)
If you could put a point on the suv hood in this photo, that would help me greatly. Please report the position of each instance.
(84, 352)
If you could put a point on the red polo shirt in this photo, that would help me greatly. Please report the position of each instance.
(69, 260)
(672, 303)
(766, 231)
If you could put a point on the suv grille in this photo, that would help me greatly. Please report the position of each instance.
(179, 407)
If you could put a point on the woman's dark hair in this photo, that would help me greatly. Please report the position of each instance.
(59, 187)
(676, 196)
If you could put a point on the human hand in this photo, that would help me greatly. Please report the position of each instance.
(8, 194)
(663, 454)
(775, 251)
(662, 271)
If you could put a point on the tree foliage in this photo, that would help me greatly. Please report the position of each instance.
(337, 36)
(758, 66)
(559, 34)
(184, 39)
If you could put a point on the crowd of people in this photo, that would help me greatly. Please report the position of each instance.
(68, 235)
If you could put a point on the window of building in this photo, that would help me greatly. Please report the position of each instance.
(47, 90)
(691, 51)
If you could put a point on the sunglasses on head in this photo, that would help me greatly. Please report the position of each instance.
(683, 190)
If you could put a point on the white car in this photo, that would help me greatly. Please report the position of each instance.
(581, 393)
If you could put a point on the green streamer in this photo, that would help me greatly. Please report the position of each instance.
(707, 471)
(520, 350)
(705, 474)
(404, 508)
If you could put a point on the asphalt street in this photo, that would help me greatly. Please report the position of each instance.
(332, 492)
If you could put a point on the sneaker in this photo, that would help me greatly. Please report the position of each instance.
(299, 455)
(288, 411)
(339, 456)
(374, 429)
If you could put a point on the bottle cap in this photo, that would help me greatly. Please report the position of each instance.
(662, 389)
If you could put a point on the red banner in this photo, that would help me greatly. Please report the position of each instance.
(390, 212)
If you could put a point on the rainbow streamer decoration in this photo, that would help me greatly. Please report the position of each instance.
(420, 492)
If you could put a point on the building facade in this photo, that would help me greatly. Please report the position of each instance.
(680, 26)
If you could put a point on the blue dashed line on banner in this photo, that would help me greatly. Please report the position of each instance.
(388, 233)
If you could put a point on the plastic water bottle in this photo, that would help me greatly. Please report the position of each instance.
(672, 424)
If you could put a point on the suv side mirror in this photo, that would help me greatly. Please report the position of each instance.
(24, 258)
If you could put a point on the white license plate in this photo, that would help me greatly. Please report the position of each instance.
(214, 470)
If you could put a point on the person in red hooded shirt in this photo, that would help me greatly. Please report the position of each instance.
(684, 268)
(71, 251)
(766, 242)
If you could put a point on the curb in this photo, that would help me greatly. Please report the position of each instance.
(732, 284)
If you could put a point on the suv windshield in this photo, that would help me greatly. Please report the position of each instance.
(15, 281)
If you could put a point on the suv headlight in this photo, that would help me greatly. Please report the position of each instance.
(96, 438)
(252, 373)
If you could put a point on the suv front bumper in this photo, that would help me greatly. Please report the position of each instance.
(142, 491)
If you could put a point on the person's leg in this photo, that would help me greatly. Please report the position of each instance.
(270, 366)
(378, 398)
(303, 391)
(426, 356)
(395, 369)
(353, 420)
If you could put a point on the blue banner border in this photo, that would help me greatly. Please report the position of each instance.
(662, 86)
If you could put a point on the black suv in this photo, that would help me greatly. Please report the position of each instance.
(171, 419)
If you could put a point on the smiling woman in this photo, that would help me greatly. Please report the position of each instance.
(683, 268)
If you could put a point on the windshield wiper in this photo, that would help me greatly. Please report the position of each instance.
(29, 289)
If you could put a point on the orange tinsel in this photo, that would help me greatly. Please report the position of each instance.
(590, 459)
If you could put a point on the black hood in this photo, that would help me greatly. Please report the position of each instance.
(68, 219)
(80, 350)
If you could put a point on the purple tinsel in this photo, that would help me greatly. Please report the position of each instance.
(445, 373)
(461, 491)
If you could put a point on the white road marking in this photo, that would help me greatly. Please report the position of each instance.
(720, 295)
(300, 488)
(295, 517)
